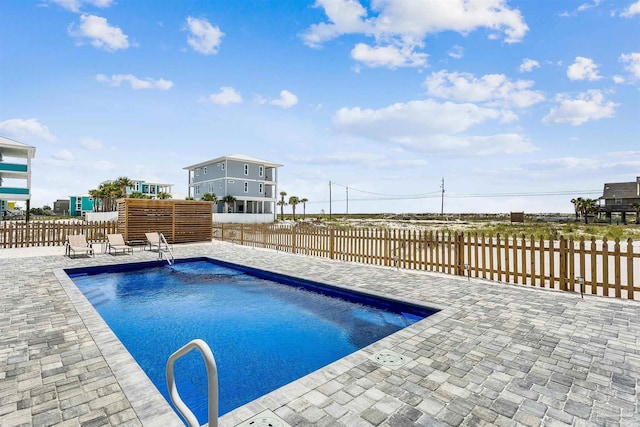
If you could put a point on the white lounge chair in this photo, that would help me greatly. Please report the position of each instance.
(117, 243)
(155, 242)
(77, 243)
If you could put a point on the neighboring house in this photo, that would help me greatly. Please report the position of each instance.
(252, 182)
(61, 207)
(80, 205)
(15, 172)
(150, 189)
(620, 197)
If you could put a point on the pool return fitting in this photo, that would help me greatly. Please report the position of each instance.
(212, 382)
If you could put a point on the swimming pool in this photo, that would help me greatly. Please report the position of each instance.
(264, 334)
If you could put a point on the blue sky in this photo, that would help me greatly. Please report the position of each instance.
(518, 105)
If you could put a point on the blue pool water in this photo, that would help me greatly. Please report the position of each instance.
(263, 334)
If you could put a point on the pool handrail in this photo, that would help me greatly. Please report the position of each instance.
(212, 380)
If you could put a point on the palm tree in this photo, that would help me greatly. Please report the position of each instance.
(304, 201)
(138, 195)
(209, 197)
(588, 206)
(123, 182)
(228, 200)
(97, 195)
(293, 201)
(162, 195)
(576, 206)
(282, 204)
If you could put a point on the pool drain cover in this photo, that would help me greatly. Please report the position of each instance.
(264, 419)
(389, 358)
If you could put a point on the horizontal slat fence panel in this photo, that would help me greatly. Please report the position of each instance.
(598, 267)
(181, 221)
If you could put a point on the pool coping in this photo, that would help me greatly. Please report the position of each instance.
(152, 408)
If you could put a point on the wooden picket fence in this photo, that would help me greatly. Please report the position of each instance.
(47, 233)
(598, 267)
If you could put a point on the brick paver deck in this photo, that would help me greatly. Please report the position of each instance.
(495, 354)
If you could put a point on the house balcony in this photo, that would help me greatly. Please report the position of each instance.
(13, 170)
(14, 193)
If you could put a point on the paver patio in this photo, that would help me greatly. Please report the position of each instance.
(495, 354)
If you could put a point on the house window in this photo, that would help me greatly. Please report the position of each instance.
(204, 170)
(617, 201)
(260, 171)
(260, 188)
(196, 190)
(198, 172)
(137, 186)
(246, 169)
(223, 165)
(246, 187)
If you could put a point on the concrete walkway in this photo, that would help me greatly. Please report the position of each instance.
(495, 354)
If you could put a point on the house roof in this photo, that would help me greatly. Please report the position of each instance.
(236, 157)
(621, 190)
(12, 148)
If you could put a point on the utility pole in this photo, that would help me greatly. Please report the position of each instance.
(329, 200)
(347, 200)
(442, 201)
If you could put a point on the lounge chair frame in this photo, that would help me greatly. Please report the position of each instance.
(116, 243)
(77, 243)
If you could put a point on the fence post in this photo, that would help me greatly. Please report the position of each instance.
(459, 254)
(331, 242)
(563, 264)
(222, 232)
(630, 287)
(241, 234)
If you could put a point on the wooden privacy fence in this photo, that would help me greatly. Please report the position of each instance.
(181, 221)
(49, 233)
(598, 267)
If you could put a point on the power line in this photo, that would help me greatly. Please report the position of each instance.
(465, 195)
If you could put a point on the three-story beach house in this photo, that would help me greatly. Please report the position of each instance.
(15, 172)
(251, 182)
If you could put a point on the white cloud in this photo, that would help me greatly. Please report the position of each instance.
(528, 65)
(76, 5)
(632, 10)
(456, 52)
(492, 89)
(388, 56)
(65, 155)
(588, 106)
(204, 37)
(26, 129)
(402, 25)
(430, 126)
(134, 82)
(100, 33)
(91, 144)
(286, 100)
(227, 95)
(582, 8)
(632, 61)
(583, 69)
(618, 79)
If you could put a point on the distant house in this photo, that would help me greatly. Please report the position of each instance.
(15, 172)
(251, 181)
(80, 205)
(150, 189)
(61, 207)
(620, 197)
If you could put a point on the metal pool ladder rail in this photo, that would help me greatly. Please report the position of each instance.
(212, 380)
(163, 248)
